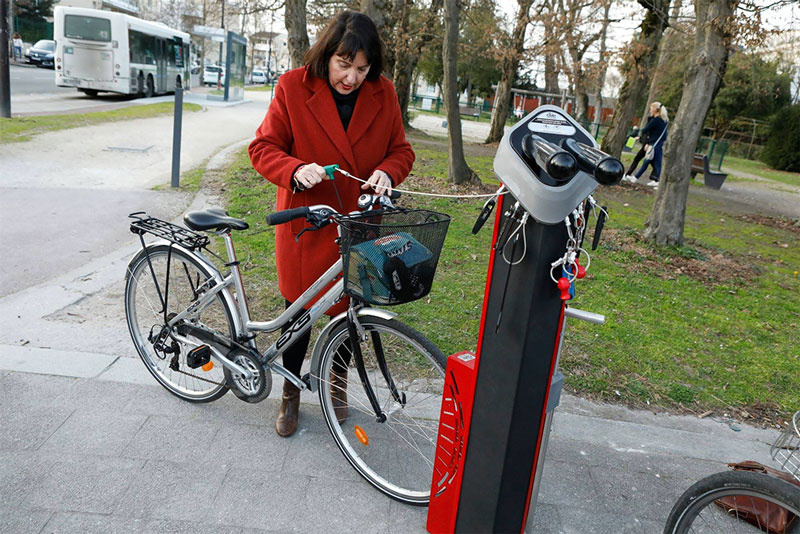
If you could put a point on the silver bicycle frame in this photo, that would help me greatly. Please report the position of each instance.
(246, 326)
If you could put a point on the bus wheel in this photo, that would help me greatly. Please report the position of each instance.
(149, 90)
(90, 92)
(140, 85)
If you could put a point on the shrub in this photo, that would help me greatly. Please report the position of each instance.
(782, 151)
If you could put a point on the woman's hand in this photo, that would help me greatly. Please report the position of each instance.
(646, 147)
(380, 182)
(309, 175)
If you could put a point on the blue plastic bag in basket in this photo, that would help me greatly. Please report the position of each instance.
(387, 269)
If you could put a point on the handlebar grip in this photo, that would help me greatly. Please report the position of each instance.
(284, 216)
(605, 169)
(557, 162)
(394, 195)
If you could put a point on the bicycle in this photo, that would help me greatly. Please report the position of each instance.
(191, 326)
(744, 501)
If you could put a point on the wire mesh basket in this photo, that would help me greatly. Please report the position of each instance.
(786, 449)
(391, 258)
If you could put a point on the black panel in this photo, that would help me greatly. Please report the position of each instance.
(512, 382)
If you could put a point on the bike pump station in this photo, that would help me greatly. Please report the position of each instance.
(497, 403)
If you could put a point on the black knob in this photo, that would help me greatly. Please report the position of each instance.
(609, 171)
(562, 166)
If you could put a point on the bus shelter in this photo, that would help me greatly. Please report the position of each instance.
(232, 58)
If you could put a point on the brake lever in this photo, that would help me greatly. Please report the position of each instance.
(318, 220)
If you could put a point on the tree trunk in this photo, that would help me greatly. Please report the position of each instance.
(403, 69)
(382, 13)
(297, 41)
(644, 50)
(664, 225)
(666, 50)
(601, 77)
(458, 171)
(502, 96)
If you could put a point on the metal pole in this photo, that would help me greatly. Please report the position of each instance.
(5, 79)
(222, 24)
(176, 137)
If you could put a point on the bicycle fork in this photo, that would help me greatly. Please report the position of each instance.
(357, 334)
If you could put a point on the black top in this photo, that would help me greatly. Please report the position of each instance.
(345, 104)
(653, 130)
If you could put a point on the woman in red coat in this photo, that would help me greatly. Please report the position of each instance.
(336, 109)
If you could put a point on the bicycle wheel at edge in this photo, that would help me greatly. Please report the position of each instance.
(143, 311)
(695, 511)
(398, 456)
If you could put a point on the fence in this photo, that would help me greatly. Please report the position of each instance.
(32, 30)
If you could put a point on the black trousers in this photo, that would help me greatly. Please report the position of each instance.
(639, 156)
(294, 355)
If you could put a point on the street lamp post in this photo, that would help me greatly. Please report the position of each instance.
(222, 23)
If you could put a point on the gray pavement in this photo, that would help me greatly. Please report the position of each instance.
(90, 443)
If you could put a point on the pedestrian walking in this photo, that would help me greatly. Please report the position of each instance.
(337, 108)
(17, 46)
(656, 134)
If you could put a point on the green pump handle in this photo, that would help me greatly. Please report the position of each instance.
(330, 169)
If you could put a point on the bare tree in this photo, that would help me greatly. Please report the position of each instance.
(715, 28)
(551, 46)
(642, 54)
(457, 169)
(510, 64)
(666, 51)
(601, 67)
(295, 20)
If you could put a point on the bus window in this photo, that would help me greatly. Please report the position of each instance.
(142, 48)
(87, 28)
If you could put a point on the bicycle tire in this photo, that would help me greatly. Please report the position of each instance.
(142, 310)
(398, 459)
(695, 510)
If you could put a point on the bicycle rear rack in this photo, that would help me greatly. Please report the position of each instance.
(145, 224)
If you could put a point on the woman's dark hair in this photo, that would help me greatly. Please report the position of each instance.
(346, 35)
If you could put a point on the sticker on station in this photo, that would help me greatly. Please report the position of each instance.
(467, 356)
(552, 123)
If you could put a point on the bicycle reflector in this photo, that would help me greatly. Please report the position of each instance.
(362, 436)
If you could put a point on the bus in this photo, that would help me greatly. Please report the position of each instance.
(114, 52)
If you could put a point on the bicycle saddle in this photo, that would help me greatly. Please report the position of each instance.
(213, 219)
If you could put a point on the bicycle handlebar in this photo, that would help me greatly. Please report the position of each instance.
(605, 169)
(559, 164)
(284, 216)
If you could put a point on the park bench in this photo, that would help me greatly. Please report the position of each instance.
(712, 179)
(469, 111)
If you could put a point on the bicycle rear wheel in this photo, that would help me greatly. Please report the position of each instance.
(698, 511)
(396, 456)
(146, 322)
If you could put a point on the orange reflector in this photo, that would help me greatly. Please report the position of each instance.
(207, 367)
(362, 436)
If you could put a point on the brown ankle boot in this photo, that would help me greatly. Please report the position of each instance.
(339, 395)
(286, 424)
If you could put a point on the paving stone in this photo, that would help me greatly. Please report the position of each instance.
(315, 454)
(262, 499)
(407, 518)
(170, 490)
(637, 494)
(31, 427)
(68, 523)
(24, 389)
(97, 394)
(16, 520)
(251, 447)
(19, 471)
(340, 506)
(176, 439)
(95, 432)
(185, 527)
(567, 482)
(92, 484)
(545, 519)
(578, 520)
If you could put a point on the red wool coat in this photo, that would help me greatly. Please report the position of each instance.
(303, 126)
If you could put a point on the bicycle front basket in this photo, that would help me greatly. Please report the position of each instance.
(392, 259)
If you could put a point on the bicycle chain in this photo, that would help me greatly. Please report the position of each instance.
(223, 384)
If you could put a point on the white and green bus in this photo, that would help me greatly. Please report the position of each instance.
(104, 51)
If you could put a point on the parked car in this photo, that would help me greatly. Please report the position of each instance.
(41, 54)
(212, 73)
(258, 76)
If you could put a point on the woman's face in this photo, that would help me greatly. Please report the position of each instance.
(346, 75)
(654, 110)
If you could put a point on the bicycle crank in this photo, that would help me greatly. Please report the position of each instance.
(251, 389)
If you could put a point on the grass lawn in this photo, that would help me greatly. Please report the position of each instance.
(18, 129)
(741, 167)
(258, 88)
(710, 326)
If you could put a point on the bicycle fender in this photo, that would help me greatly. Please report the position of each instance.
(316, 352)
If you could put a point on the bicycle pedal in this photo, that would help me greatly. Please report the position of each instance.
(198, 356)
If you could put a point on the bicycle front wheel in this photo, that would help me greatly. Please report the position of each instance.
(736, 502)
(164, 357)
(396, 455)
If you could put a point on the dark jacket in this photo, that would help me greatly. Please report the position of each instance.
(652, 132)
